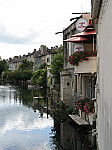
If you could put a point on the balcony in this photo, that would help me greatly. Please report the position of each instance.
(87, 66)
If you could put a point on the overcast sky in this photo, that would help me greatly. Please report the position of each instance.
(27, 24)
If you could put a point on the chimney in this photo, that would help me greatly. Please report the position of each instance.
(41, 48)
(56, 47)
(34, 50)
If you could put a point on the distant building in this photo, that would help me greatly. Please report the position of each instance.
(14, 63)
(10, 64)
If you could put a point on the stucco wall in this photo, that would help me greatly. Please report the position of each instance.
(66, 86)
(104, 89)
(86, 66)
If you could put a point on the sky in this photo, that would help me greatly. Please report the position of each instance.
(25, 25)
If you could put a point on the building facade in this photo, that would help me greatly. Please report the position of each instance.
(101, 15)
(77, 79)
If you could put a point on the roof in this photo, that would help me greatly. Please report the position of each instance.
(76, 39)
(84, 33)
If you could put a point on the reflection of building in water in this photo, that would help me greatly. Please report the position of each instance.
(73, 138)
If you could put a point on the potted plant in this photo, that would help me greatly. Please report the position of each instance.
(85, 105)
(79, 56)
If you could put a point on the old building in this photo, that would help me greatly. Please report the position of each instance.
(101, 14)
(30, 58)
(45, 55)
(73, 78)
(14, 63)
(10, 64)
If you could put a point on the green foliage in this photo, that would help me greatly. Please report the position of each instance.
(23, 75)
(43, 66)
(57, 65)
(24, 72)
(39, 77)
(26, 65)
(3, 65)
(44, 46)
(16, 75)
(6, 74)
(26, 75)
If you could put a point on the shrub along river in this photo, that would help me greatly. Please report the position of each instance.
(27, 123)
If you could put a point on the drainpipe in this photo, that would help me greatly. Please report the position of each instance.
(93, 42)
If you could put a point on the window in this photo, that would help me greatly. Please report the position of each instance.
(90, 86)
(68, 47)
(48, 59)
(67, 83)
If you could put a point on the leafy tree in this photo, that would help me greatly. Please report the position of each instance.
(26, 75)
(3, 65)
(16, 75)
(39, 77)
(44, 46)
(23, 73)
(57, 65)
(6, 74)
(26, 65)
(43, 66)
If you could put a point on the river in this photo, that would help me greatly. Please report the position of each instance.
(27, 124)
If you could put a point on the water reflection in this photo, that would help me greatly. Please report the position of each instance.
(20, 127)
(27, 124)
(68, 134)
(74, 138)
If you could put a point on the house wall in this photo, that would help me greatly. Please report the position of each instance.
(86, 66)
(15, 67)
(30, 58)
(43, 58)
(66, 86)
(104, 79)
(10, 64)
(38, 62)
(68, 75)
(48, 59)
(89, 46)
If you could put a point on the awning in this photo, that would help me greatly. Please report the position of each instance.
(76, 39)
(84, 33)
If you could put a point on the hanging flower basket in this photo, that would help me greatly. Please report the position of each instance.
(85, 105)
(79, 56)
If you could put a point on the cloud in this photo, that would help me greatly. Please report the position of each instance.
(7, 37)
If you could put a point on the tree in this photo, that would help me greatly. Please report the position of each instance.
(7, 74)
(26, 65)
(26, 75)
(57, 65)
(39, 77)
(3, 65)
(24, 72)
(43, 66)
(15, 75)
